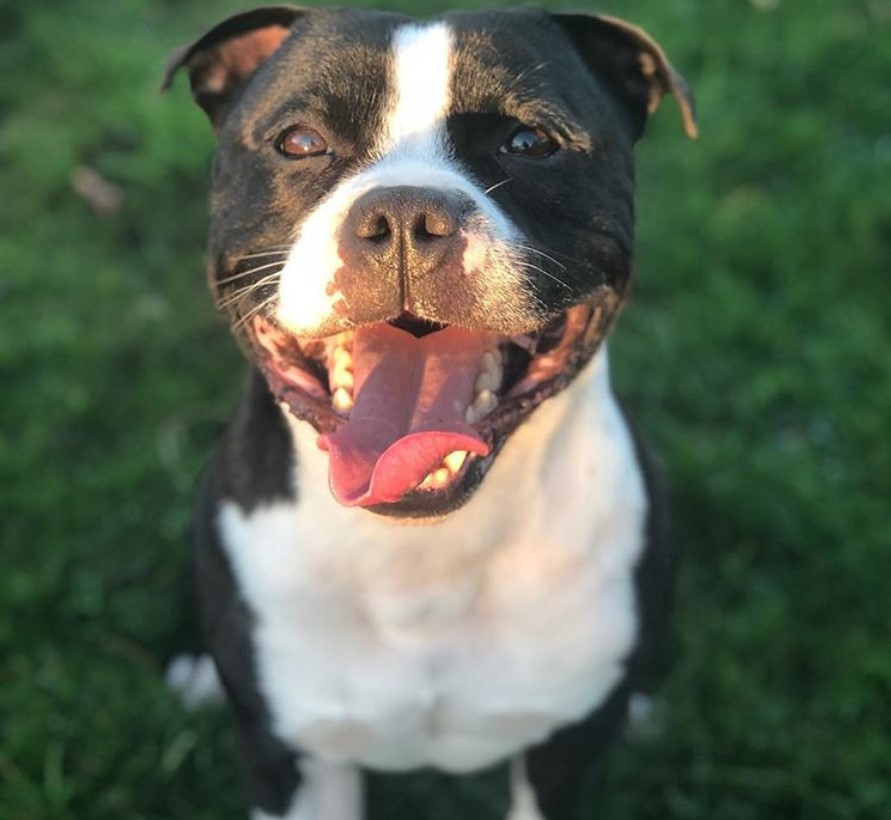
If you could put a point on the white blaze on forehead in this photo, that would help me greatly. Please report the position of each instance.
(420, 96)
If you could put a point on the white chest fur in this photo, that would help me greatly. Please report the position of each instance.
(456, 643)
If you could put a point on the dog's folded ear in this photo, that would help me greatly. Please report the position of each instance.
(225, 57)
(632, 64)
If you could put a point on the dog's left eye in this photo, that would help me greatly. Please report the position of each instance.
(298, 143)
(531, 142)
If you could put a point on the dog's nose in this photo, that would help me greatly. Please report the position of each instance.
(405, 227)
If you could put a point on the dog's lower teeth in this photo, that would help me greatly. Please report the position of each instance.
(485, 402)
(491, 364)
(441, 476)
(455, 460)
(485, 381)
(435, 480)
(342, 400)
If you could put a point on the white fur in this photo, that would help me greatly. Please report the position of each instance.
(194, 681)
(413, 150)
(327, 792)
(459, 642)
(421, 96)
(523, 804)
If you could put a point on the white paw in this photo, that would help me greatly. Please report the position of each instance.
(194, 681)
(645, 718)
(524, 805)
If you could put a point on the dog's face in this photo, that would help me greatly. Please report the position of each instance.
(422, 231)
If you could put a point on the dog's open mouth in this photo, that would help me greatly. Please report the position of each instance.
(412, 413)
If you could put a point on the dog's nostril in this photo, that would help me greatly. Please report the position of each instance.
(375, 227)
(434, 224)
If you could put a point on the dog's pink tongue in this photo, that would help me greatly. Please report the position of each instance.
(408, 412)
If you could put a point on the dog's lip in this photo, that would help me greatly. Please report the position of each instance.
(296, 379)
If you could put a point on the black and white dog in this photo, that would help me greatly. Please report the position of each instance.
(428, 538)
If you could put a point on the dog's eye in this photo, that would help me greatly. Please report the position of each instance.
(533, 143)
(298, 143)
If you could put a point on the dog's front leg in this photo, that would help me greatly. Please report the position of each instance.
(326, 791)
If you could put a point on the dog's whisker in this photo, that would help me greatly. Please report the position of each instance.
(246, 273)
(543, 254)
(241, 293)
(497, 185)
(557, 279)
(254, 311)
(226, 304)
(274, 250)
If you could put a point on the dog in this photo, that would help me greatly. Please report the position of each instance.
(430, 537)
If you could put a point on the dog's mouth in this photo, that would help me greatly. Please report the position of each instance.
(413, 413)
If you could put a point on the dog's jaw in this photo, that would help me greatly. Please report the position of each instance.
(469, 392)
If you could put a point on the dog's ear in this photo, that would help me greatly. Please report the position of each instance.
(226, 56)
(633, 65)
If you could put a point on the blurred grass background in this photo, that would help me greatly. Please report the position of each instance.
(755, 355)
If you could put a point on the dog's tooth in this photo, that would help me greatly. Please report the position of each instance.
(484, 382)
(470, 415)
(333, 344)
(440, 478)
(427, 482)
(342, 400)
(496, 372)
(342, 378)
(485, 403)
(455, 460)
(342, 358)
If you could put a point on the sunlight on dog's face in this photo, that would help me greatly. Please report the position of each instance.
(423, 231)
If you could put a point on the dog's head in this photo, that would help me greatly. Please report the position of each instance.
(422, 231)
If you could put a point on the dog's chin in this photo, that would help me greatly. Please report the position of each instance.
(437, 455)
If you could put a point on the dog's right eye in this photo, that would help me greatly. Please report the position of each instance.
(299, 143)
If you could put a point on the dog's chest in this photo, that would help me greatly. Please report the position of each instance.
(452, 644)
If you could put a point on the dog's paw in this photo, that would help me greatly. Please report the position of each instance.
(194, 681)
(645, 716)
(524, 803)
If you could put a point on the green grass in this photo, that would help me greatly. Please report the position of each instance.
(755, 354)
